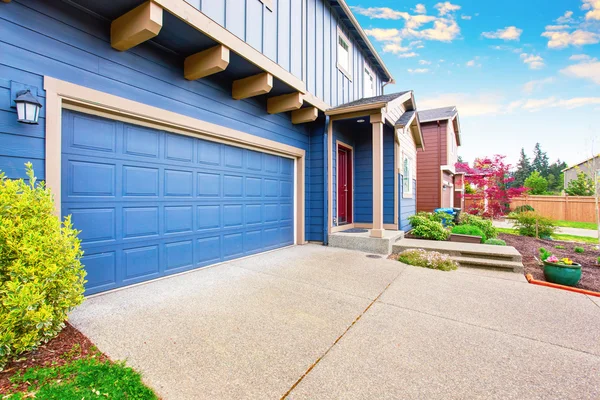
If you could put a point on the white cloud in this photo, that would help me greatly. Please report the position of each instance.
(408, 55)
(533, 61)
(557, 27)
(580, 57)
(585, 70)
(565, 18)
(417, 71)
(466, 17)
(534, 85)
(420, 9)
(394, 48)
(417, 44)
(383, 35)
(473, 62)
(380, 12)
(446, 8)
(424, 62)
(444, 30)
(594, 9)
(533, 105)
(468, 104)
(508, 33)
(561, 39)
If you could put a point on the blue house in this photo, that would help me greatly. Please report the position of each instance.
(183, 134)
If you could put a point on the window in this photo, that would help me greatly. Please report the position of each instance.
(369, 83)
(343, 54)
(406, 175)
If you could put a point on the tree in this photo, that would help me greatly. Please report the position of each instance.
(582, 186)
(555, 177)
(536, 183)
(523, 169)
(540, 160)
(490, 177)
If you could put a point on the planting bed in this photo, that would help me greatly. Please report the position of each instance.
(529, 249)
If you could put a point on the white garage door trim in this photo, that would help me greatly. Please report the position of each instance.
(61, 94)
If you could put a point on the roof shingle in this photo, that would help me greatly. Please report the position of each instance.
(438, 114)
(372, 100)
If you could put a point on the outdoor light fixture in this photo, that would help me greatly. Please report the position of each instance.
(28, 107)
(360, 121)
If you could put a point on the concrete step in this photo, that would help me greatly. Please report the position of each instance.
(475, 262)
(470, 250)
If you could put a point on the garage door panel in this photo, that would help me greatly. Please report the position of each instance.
(151, 203)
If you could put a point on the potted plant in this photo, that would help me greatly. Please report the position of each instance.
(560, 270)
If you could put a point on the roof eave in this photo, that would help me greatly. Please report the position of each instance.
(352, 109)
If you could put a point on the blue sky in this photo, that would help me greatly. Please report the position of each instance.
(519, 71)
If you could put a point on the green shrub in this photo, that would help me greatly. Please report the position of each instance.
(431, 230)
(423, 216)
(544, 253)
(485, 225)
(598, 261)
(536, 183)
(469, 230)
(525, 224)
(41, 277)
(560, 247)
(523, 208)
(428, 259)
(578, 249)
(496, 242)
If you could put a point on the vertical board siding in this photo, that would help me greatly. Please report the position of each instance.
(278, 34)
(315, 210)
(408, 205)
(428, 165)
(56, 39)
(388, 175)
(363, 179)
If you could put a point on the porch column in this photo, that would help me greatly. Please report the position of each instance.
(377, 125)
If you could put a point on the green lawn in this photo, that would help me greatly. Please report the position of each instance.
(86, 378)
(556, 236)
(575, 224)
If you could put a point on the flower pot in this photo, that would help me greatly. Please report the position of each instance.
(568, 275)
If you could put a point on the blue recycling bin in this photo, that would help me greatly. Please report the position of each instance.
(449, 211)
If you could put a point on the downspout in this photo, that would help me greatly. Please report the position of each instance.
(385, 84)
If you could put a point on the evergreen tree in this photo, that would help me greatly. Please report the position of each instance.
(555, 176)
(523, 170)
(540, 160)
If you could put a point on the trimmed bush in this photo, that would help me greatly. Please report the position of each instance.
(469, 230)
(496, 242)
(428, 259)
(559, 246)
(525, 224)
(41, 277)
(431, 230)
(484, 224)
(523, 208)
(578, 249)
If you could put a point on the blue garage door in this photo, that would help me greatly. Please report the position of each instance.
(151, 203)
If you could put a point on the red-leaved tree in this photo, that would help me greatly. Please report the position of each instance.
(490, 178)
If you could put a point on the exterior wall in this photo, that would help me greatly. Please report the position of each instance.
(389, 145)
(587, 167)
(408, 201)
(428, 165)
(56, 39)
(301, 36)
(451, 146)
(315, 184)
(448, 192)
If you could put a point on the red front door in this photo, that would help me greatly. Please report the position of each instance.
(344, 183)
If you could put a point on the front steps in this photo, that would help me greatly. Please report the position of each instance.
(362, 241)
(471, 255)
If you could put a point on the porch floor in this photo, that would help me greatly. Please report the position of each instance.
(362, 241)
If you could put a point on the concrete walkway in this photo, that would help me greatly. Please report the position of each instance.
(313, 322)
(561, 229)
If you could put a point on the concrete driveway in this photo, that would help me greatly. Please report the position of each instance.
(313, 322)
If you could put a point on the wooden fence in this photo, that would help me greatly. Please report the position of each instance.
(568, 208)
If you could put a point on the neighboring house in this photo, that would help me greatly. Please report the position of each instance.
(183, 134)
(440, 186)
(588, 167)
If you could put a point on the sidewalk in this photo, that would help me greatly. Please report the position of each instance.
(567, 231)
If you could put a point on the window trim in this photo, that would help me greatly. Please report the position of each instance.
(341, 34)
(368, 70)
(268, 4)
(407, 194)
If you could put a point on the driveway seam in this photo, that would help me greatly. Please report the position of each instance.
(314, 364)
(590, 297)
(490, 329)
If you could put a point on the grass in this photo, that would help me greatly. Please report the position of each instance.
(556, 236)
(575, 224)
(86, 378)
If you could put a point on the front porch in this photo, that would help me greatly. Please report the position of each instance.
(372, 148)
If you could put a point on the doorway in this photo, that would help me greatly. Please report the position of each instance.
(344, 184)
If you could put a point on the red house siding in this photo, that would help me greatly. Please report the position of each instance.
(429, 161)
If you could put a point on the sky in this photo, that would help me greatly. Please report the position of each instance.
(518, 71)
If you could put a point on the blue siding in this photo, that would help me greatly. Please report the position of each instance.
(151, 203)
(279, 34)
(408, 206)
(315, 185)
(363, 179)
(388, 175)
(40, 38)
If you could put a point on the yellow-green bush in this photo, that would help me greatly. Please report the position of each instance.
(41, 277)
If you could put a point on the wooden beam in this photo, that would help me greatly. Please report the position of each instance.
(205, 63)
(303, 115)
(252, 86)
(285, 102)
(136, 26)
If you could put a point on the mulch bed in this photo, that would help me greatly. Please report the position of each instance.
(529, 249)
(69, 345)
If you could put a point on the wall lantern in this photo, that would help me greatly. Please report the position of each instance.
(28, 107)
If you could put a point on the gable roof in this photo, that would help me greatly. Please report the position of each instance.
(581, 162)
(405, 119)
(385, 98)
(438, 114)
(354, 27)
